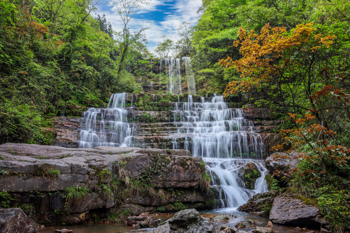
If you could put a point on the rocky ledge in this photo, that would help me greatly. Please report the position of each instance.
(56, 185)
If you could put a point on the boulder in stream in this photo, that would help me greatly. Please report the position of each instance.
(186, 221)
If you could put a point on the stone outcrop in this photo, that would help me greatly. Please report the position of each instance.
(281, 164)
(250, 173)
(120, 180)
(288, 210)
(66, 131)
(14, 220)
(260, 204)
(186, 221)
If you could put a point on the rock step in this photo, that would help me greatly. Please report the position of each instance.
(134, 115)
(161, 141)
(141, 131)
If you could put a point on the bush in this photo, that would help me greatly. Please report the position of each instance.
(18, 123)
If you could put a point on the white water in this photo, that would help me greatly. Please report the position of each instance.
(172, 69)
(191, 83)
(215, 133)
(106, 127)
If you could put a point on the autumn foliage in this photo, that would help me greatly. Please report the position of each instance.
(266, 54)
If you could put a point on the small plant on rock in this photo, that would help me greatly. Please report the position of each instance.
(53, 172)
(76, 193)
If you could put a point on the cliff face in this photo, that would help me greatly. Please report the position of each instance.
(56, 184)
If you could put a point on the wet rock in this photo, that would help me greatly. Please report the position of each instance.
(250, 173)
(262, 230)
(288, 210)
(261, 204)
(186, 221)
(269, 224)
(240, 225)
(222, 218)
(14, 220)
(281, 164)
(183, 219)
(163, 228)
(144, 220)
(226, 229)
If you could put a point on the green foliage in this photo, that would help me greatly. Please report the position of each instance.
(179, 206)
(55, 58)
(335, 205)
(76, 193)
(53, 172)
(18, 123)
(5, 199)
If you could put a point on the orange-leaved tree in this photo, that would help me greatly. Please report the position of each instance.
(267, 55)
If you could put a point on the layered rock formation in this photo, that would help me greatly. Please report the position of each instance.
(57, 184)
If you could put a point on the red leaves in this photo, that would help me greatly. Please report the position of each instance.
(335, 94)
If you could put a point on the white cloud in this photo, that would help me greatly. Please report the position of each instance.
(182, 11)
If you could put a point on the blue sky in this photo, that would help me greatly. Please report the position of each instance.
(162, 17)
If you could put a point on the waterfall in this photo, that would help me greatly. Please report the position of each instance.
(226, 142)
(172, 69)
(191, 83)
(106, 127)
(221, 136)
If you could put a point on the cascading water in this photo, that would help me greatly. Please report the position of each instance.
(108, 126)
(172, 68)
(191, 83)
(226, 142)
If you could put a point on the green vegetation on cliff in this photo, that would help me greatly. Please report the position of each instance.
(54, 56)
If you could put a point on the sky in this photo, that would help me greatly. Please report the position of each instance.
(161, 17)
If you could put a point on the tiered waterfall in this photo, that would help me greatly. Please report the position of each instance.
(208, 128)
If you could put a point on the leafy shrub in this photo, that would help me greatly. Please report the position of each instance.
(18, 123)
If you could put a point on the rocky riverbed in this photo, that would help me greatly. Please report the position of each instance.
(62, 186)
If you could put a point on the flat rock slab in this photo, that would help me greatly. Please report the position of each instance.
(30, 167)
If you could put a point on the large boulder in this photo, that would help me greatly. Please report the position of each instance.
(261, 203)
(14, 220)
(186, 221)
(288, 210)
